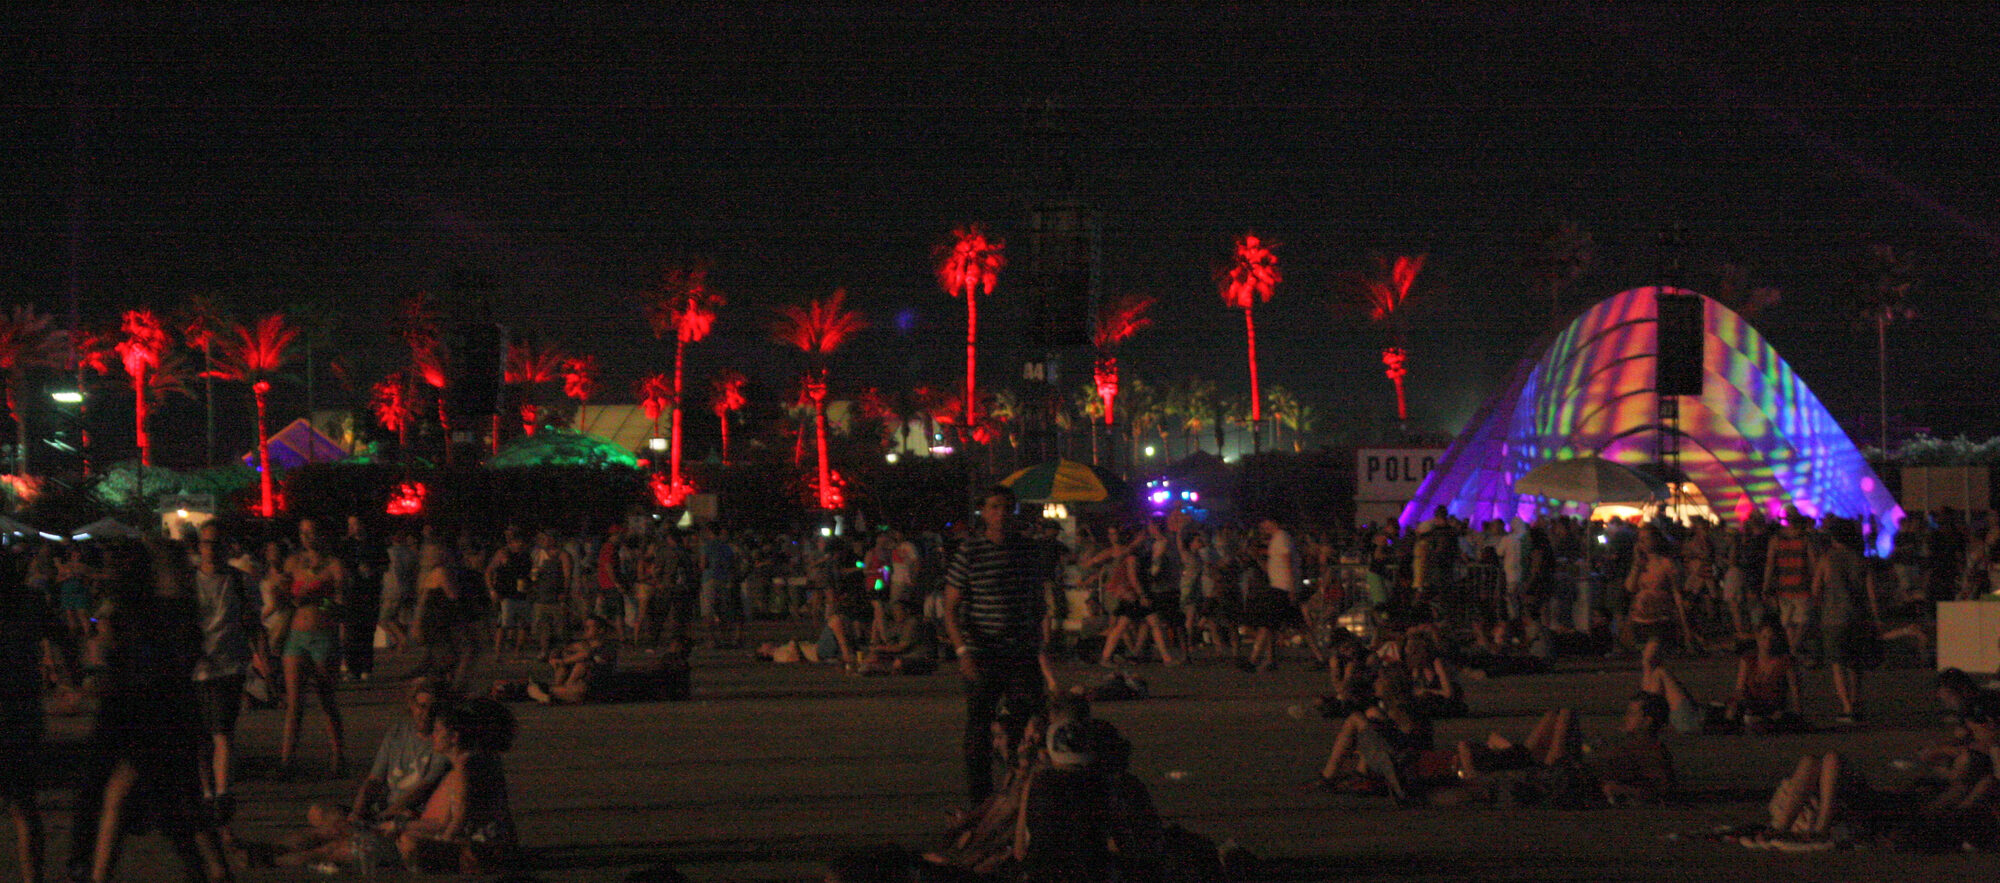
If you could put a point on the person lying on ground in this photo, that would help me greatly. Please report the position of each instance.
(1510, 647)
(1638, 769)
(1554, 739)
(574, 668)
(1826, 802)
(1686, 714)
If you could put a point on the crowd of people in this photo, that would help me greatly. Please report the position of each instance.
(176, 637)
(169, 639)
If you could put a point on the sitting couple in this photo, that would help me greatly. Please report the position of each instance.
(435, 800)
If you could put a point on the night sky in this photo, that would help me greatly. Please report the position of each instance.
(549, 163)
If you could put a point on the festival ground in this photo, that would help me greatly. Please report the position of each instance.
(773, 767)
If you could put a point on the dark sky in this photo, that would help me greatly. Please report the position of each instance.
(552, 161)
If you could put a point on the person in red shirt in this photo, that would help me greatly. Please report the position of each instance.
(1788, 568)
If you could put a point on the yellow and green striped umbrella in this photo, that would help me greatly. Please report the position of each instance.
(1062, 481)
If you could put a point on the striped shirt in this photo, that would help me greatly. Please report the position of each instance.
(1000, 593)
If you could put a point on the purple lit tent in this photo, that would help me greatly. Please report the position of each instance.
(1755, 437)
(298, 444)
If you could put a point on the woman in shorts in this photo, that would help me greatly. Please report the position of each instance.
(317, 580)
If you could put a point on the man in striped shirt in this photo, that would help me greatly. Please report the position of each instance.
(993, 612)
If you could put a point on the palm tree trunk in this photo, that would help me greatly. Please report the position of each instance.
(971, 363)
(722, 420)
(1256, 395)
(267, 504)
(674, 457)
(825, 469)
(139, 422)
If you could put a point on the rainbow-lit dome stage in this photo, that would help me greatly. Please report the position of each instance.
(1756, 433)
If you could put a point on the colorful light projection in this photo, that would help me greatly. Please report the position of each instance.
(1756, 432)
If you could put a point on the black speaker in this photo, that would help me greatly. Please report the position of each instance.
(1682, 346)
(477, 358)
(1062, 311)
(1062, 259)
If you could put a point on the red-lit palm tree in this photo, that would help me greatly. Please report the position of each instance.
(968, 266)
(1387, 290)
(580, 383)
(142, 344)
(394, 410)
(1115, 324)
(27, 340)
(725, 395)
(683, 305)
(254, 355)
(818, 328)
(1250, 278)
(656, 394)
(529, 365)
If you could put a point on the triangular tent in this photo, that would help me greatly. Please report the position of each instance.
(299, 444)
(1755, 432)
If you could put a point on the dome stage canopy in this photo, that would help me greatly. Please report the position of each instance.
(1755, 437)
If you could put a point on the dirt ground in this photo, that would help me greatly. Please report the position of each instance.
(773, 767)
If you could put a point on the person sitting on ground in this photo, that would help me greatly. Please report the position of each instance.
(1767, 696)
(912, 647)
(1353, 680)
(575, 667)
(1382, 743)
(1434, 688)
(406, 768)
(467, 825)
(983, 838)
(1963, 762)
(1083, 815)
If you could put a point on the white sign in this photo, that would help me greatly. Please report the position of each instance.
(1391, 475)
